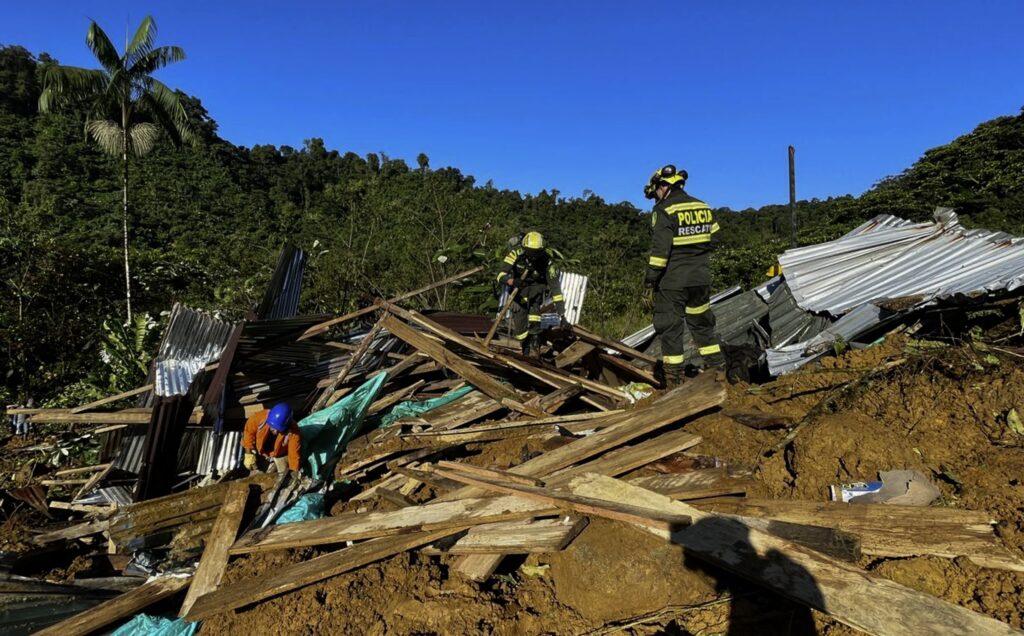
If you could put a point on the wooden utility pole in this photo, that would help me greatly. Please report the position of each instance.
(792, 196)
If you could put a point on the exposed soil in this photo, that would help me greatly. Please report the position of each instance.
(942, 412)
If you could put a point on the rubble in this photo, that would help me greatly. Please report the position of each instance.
(442, 452)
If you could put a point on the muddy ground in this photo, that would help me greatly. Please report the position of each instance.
(939, 410)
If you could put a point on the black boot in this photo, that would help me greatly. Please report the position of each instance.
(675, 375)
(530, 346)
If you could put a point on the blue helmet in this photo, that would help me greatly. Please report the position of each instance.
(279, 417)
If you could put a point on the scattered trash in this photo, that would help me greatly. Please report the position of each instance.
(897, 487)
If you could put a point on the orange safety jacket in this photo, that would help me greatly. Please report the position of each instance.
(259, 437)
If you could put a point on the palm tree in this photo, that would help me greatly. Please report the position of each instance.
(126, 107)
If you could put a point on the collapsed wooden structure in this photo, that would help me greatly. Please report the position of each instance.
(419, 483)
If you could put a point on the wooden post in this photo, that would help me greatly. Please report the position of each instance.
(792, 196)
(501, 316)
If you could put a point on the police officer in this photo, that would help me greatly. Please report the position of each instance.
(679, 272)
(529, 268)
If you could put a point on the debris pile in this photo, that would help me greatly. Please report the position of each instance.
(450, 484)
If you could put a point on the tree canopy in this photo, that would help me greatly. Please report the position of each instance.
(209, 220)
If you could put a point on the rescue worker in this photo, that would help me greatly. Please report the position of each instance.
(679, 273)
(529, 268)
(271, 439)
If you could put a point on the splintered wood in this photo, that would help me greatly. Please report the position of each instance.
(519, 465)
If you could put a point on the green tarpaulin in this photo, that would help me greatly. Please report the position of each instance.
(412, 409)
(146, 625)
(327, 431)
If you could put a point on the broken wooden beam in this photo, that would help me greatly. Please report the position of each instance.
(848, 594)
(299, 575)
(215, 553)
(618, 511)
(891, 531)
(462, 513)
(325, 326)
(118, 608)
(516, 537)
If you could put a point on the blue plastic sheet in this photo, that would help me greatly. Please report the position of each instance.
(146, 625)
(309, 507)
(412, 409)
(327, 431)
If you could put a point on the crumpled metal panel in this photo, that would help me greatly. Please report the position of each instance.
(892, 258)
(192, 340)
(643, 336)
(574, 290)
(787, 322)
(782, 360)
(281, 299)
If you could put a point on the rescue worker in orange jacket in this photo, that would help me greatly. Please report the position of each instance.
(679, 272)
(271, 438)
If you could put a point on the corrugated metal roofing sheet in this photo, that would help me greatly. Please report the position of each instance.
(789, 358)
(281, 299)
(639, 338)
(893, 258)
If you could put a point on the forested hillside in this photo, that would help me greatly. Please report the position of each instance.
(207, 222)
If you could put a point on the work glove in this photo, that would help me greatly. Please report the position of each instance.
(652, 277)
(249, 461)
(647, 298)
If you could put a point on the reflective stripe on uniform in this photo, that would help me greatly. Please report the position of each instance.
(658, 262)
(510, 259)
(689, 205)
(522, 336)
(694, 311)
(502, 276)
(714, 228)
(710, 350)
(673, 359)
(690, 240)
(557, 298)
(535, 318)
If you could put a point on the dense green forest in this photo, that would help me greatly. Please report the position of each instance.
(207, 221)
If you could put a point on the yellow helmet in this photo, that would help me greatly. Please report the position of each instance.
(667, 175)
(533, 241)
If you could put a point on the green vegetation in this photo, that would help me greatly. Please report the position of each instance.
(126, 108)
(208, 219)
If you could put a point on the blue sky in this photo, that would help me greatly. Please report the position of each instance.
(586, 95)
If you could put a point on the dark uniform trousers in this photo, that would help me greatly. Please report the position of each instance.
(678, 309)
(525, 311)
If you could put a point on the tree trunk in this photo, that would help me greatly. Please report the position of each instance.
(124, 217)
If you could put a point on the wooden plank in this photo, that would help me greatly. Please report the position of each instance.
(113, 398)
(394, 497)
(215, 554)
(305, 573)
(491, 473)
(699, 484)
(573, 354)
(593, 338)
(555, 378)
(326, 397)
(76, 531)
(618, 511)
(353, 526)
(134, 416)
(448, 359)
(429, 478)
(118, 608)
(696, 397)
(325, 326)
(516, 537)
(618, 363)
(394, 397)
(413, 359)
(675, 405)
(850, 595)
(891, 531)
(83, 469)
(500, 317)
(622, 460)
(514, 424)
